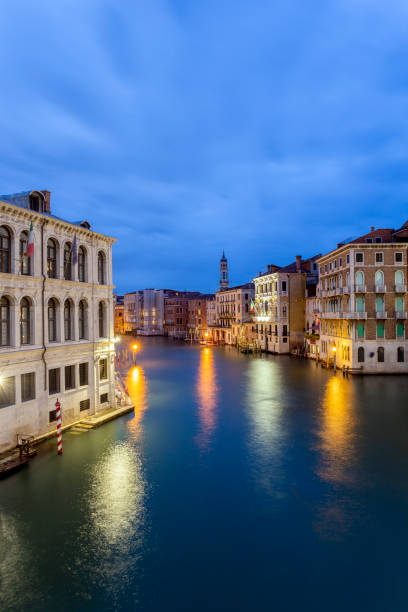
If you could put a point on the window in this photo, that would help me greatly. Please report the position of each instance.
(83, 374)
(103, 369)
(52, 258)
(5, 249)
(400, 330)
(4, 322)
(379, 257)
(54, 381)
(359, 258)
(340, 262)
(360, 354)
(101, 319)
(81, 264)
(25, 262)
(359, 278)
(283, 285)
(380, 354)
(378, 239)
(379, 303)
(399, 277)
(84, 404)
(34, 203)
(69, 377)
(68, 331)
(25, 324)
(359, 304)
(360, 330)
(8, 392)
(104, 398)
(53, 416)
(398, 258)
(27, 387)
(52, 320)
(68, 261)
(400, 354)
(399, 303)
(284, 330)
(380, 330)
(369, 240)
(379, 277)
(82, 320)
(101, 268)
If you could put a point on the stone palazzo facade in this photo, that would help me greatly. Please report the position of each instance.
(56, 319)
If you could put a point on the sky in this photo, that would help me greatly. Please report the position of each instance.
(185, 127)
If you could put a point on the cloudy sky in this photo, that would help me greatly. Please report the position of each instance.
(184, 127)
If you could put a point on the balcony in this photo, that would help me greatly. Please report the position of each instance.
(380, 289)
(343, 315)
(400, 288)
(332, 315)
(360, 288)
(399, 314)
(381, 315)
(346, 289)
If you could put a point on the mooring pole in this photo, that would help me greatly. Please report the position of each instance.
(59, 432)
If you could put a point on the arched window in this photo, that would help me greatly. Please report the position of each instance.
(82, 320)
(25, 262)
(101, 268)
(359, 304)
(379, 277)
(82, 264)
(359, 278)
(380, 354)
(25, 323)
(4, 322)
(52, 258)
(379, 303)
(101, 320)
(52, 320)
(360, 354)
(400, 354)
(399, 277)
(348, 353)
(400, 330)
(5, 249)
(68, 261)
(68, 327)
(399, 303)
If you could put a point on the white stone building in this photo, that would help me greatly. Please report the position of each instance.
(56, 319)
(144, 312)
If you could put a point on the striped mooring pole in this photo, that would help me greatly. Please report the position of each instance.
(59, 432)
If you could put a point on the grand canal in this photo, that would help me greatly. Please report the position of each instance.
(240, 483)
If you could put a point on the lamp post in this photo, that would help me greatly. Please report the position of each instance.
(134, 349)
(334, 357)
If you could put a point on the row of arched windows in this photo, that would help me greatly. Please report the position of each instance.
(27, 318)
(53, 251)
(381, 354)
(379, 278)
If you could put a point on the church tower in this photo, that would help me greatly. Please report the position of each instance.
(223, 272)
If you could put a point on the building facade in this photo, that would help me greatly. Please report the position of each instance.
(144, 312)
(119, 314)
(232, 306)
(56, 318)
(176, 316)
(364, 303)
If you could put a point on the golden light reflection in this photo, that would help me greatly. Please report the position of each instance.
(137, 388)
(207, 398)
(337, 431)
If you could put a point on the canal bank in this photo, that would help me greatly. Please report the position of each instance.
(238, 483)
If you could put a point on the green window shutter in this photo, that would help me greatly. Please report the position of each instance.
(380, 330)
(400, 330)
(399, 304)
(360, 330)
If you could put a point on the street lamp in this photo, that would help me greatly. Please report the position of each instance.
(134, 349)
(334, 357)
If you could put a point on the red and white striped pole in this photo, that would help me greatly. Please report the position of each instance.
(59, 432)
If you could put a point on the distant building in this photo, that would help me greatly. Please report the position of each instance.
(224, 282)
(232, 306)
(56, 318)
(363, 288)
(119, 315)
(176, 315)
(144, 312)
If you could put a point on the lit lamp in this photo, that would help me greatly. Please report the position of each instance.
(334, 356)
(134, 349)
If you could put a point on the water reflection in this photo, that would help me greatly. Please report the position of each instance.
(265, 409)
(206, 390)
(137, 388)
(337, 432)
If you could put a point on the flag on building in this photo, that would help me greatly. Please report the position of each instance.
(74, 251)
(252, 307)
(30, 245)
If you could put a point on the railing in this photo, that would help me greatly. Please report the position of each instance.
(360, 288)
(343, 315)
(381, 315)
(399, 314)
(380, 288)
(400, 288)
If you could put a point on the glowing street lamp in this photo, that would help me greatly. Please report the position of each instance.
(334, 357)
(134, 349)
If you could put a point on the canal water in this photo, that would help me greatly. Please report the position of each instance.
(240, 483)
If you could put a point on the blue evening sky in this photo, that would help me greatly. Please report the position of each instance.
(184, 127)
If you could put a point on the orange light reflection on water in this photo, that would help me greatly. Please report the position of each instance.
(137, 388)
(206, 389)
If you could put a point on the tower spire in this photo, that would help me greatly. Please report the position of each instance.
(224, 282)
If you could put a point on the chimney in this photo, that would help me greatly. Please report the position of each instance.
(47, 200)
(260, 273)
(298, 260)
(372, 229)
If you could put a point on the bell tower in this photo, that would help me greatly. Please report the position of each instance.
(223, 272)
